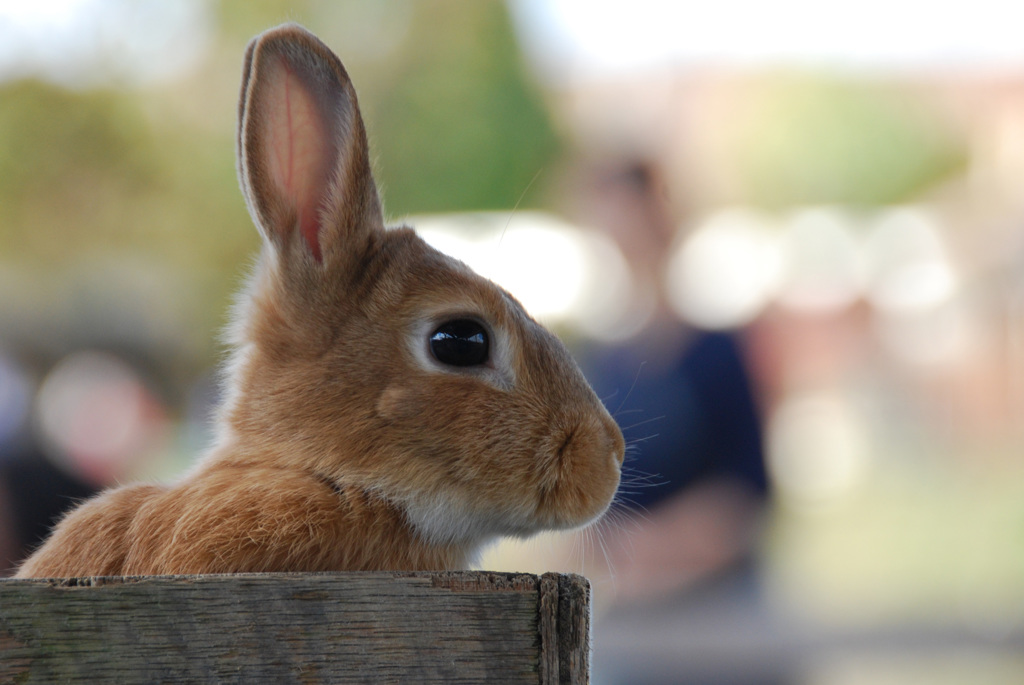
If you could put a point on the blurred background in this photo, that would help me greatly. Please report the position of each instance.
(785, 240)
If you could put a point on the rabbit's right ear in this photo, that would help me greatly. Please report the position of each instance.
(303, 156)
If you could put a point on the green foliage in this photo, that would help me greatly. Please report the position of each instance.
(457, 127)
(453, 122)
(87, 171)
(62, 156)
(240, 20)
(91, 178)
(808, 140)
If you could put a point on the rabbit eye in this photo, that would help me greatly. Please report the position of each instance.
(460, 342)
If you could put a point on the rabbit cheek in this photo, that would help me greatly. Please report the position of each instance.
(393, 404)
(467, 479)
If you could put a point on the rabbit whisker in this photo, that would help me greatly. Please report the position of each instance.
(516, 206)
(634, 441)
(631, 388)
(640, 423)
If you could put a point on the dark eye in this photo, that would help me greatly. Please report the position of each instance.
(460, 342)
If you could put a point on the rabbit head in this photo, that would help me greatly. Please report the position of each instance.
(367, 358)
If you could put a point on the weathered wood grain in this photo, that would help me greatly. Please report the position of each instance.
(573, 629)
(467, 627)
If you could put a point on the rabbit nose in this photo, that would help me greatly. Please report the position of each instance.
(605, 432)
(618, 443)
(601, 436)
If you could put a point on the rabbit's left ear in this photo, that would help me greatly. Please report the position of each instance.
(303, 156)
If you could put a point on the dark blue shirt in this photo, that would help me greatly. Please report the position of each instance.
(685, 419)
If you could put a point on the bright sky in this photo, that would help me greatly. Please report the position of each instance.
(78, 41)
(592, 38)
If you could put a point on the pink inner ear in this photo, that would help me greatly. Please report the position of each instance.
(300, 149)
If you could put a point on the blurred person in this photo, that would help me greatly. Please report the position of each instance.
(93, 421)
(695, 486)
(34, 492)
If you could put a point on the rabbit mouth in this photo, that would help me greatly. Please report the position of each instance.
(583, 475)
(560, 453)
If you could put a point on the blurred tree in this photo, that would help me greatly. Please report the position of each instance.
(63, 156)
(810, 140)
(457, 127)
(454, 123)
(240, 20)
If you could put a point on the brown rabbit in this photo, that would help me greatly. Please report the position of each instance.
(387, 409)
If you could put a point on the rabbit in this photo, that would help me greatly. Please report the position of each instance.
(386, 408)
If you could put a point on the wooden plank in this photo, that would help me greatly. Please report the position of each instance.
(466, 627)
(548, 629)
(573, 629)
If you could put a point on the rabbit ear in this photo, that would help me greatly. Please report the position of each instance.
(303, 156)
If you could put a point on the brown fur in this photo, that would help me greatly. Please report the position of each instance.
(342, 446)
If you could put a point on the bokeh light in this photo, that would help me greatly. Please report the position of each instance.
(561, 273)
(727, 271)
(97, 418)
